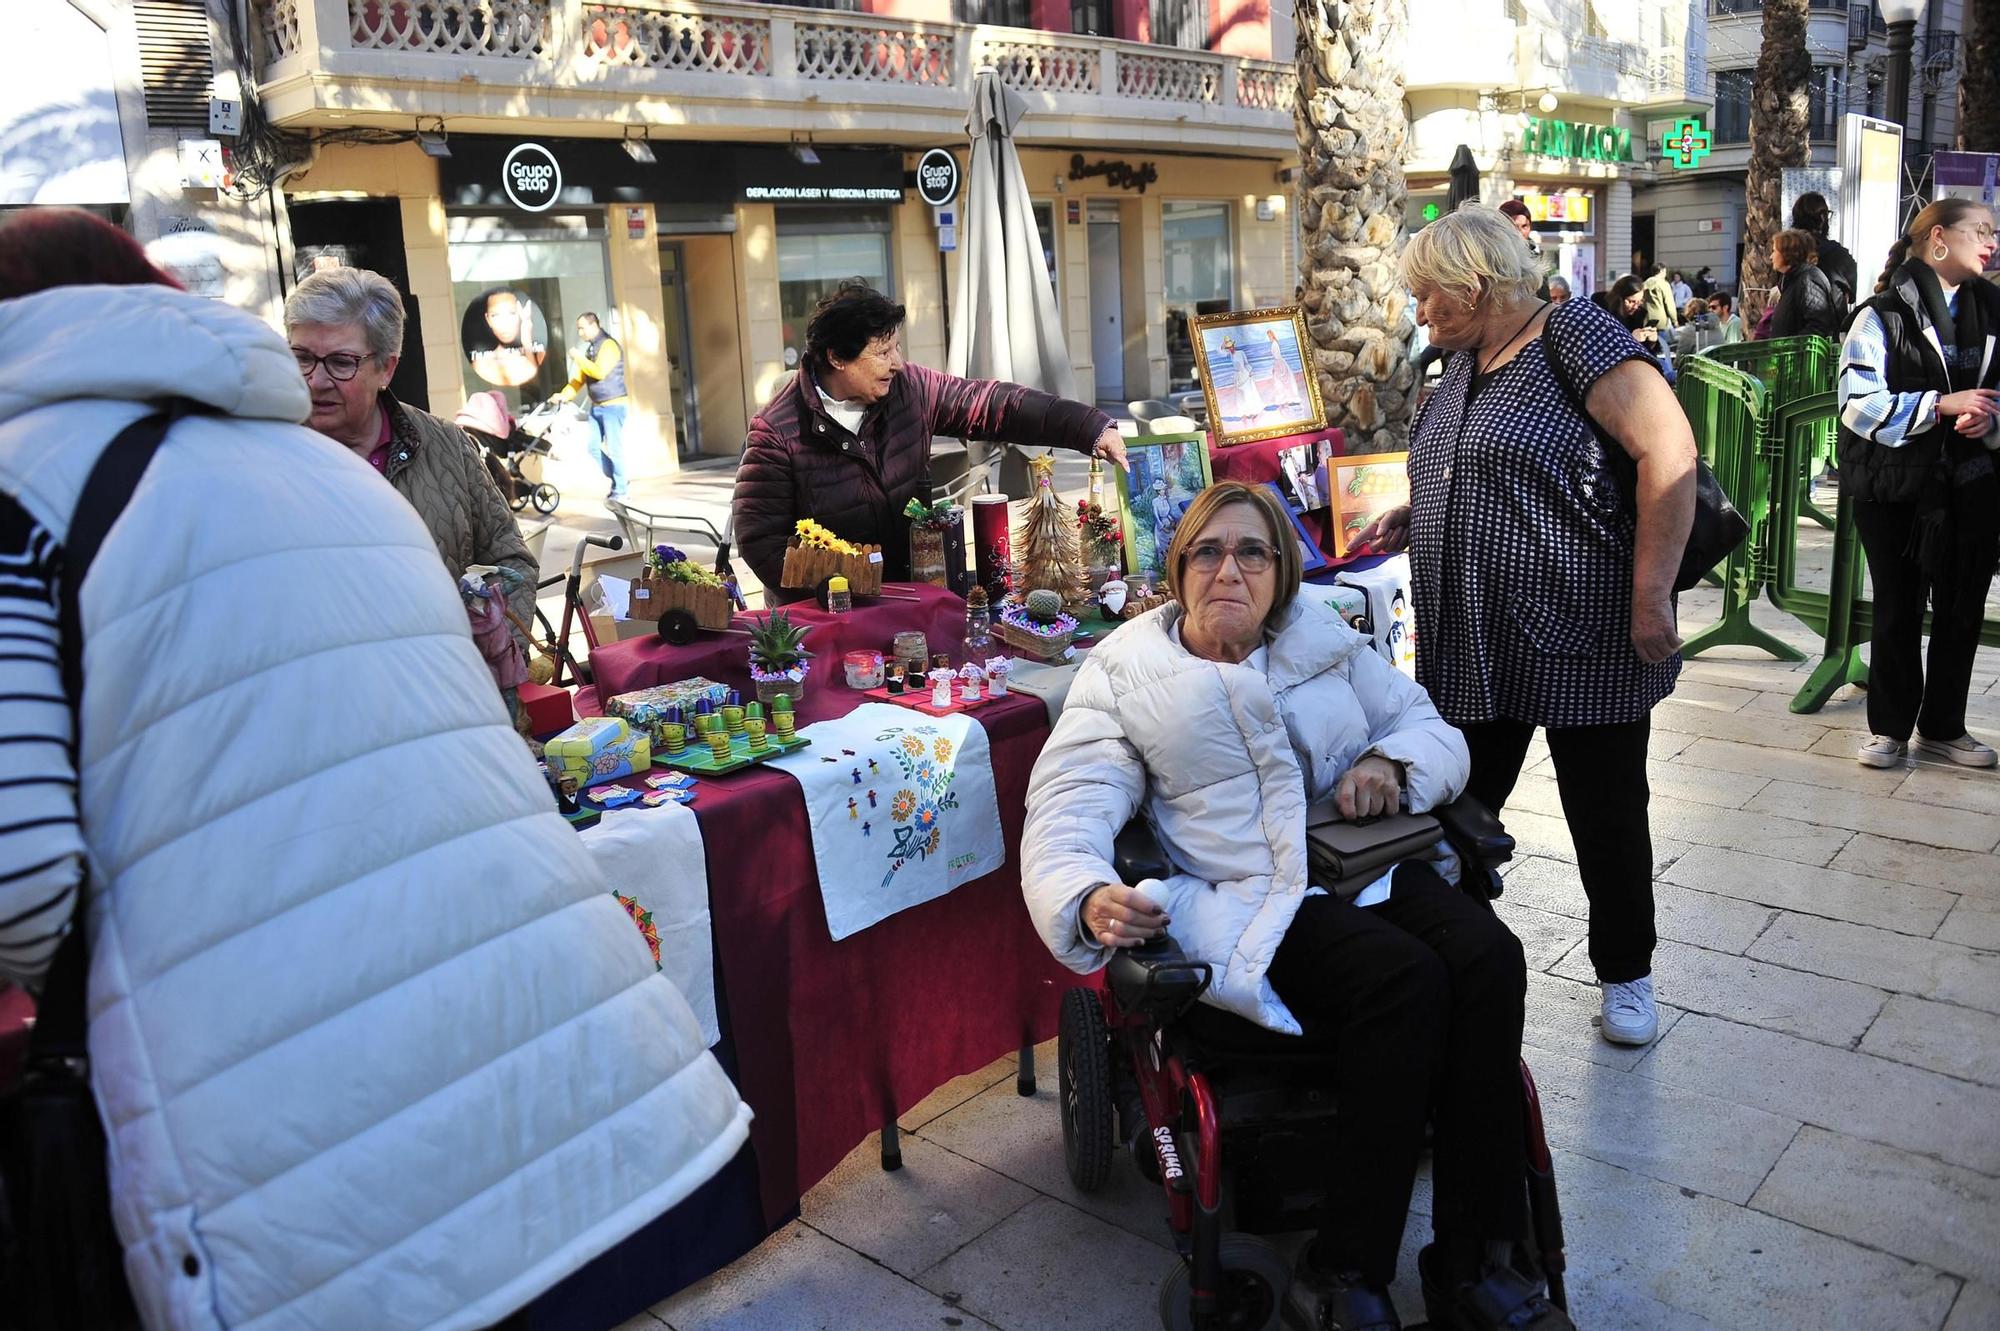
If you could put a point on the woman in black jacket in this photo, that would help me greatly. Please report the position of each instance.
(1806, 301)
(1811, 215)
(1919, 430)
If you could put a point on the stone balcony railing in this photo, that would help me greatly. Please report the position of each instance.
(715, 63)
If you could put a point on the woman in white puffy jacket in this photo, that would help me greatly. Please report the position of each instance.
(1221, 716)
(372, 1044)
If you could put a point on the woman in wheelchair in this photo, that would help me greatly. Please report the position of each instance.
(1222, 716)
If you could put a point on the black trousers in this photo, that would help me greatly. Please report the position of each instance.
(1424, 995)
(1901, 699)
(1601, 777)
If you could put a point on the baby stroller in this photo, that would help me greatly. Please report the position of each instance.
(506, 444)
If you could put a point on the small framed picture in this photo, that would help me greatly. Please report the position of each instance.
(1311, 558)
(1254, 374)
(1361, 487)
(1165, 473)
(1303, 468)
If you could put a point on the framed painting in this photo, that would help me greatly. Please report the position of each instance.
(1166, 472)
(1303, 468)
(1311, 560)
(1359, 488)
(1254, 374)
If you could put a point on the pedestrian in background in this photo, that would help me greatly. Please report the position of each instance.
(1919, 426)
(1544, 595)
(597, 370)
(1807, 302)
(1811, 215)
(1558, 290)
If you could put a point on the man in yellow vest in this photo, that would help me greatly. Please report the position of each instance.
(597, 368)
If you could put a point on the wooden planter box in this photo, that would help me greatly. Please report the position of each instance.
(808, 568)
(653, 597)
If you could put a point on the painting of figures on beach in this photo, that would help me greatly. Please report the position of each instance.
(1254, 374)
(1166, 472)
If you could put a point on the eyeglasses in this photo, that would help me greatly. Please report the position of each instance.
(1251, 556)
(340, 365)
(1979, 232)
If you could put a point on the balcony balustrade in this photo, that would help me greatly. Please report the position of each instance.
(770, 55)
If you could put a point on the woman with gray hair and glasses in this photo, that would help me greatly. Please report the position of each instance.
(1543, 583)
(345, 327)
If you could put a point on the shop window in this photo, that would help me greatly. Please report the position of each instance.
(818, 249)
(517, 287)
(1199, 252)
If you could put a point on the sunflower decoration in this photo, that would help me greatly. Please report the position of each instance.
(644, 919)
(901, 807)
(942, 749)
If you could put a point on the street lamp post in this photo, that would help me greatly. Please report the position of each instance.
(1901, 17)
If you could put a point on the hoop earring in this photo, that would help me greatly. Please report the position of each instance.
(1940, 254)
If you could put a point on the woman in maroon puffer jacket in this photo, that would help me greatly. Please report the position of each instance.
(847, 440)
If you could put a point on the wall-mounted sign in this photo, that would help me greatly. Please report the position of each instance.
(1570, 206)
(1118, 175)
(1572, 140)
(1431, 211)
(1687, 144)
(937, 177)
(1708, 225)
(201, 163)
(597, 172)
(531, 178)
(1073, 212)
(635, 223)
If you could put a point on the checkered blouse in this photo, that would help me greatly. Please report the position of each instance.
(1520, 546)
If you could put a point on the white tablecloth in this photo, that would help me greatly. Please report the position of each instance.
(654, 857)
(901, 806)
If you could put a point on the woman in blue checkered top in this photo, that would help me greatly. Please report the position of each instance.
(1543, 591)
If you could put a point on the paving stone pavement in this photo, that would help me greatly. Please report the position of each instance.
(1813, 1141)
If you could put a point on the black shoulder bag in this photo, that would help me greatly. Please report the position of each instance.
(63, 1266)
(1718, 528)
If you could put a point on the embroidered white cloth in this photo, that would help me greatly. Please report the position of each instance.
(656, 867)
(902, 809)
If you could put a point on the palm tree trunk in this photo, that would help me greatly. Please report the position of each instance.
(1780, 101)
(1351, 194)
(1979, 79)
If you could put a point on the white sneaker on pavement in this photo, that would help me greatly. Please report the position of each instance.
(1965, 751)
(1881, 751)
(1629, 1014)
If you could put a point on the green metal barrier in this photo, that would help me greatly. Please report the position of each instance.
(1792, 367)
(1728, 411)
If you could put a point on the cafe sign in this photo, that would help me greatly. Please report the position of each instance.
(1573, 140)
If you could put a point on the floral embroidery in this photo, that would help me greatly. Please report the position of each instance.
(902, 806)
(644, 919)
(942, 749)
(918, 809)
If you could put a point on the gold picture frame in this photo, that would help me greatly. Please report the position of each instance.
(1263, 359)
(1360, 488)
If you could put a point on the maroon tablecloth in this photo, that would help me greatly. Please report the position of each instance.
(833, 1040)
(641, 663)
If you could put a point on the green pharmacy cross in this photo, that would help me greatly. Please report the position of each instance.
(1689, 143)
(1431, 211)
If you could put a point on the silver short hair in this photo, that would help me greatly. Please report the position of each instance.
(1472, 253)
(1555, 280)
(350, 296)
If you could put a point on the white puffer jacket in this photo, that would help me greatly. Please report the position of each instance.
(374, 1046)
(1224, 760)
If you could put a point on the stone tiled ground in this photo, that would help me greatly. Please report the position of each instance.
(1813, 1142)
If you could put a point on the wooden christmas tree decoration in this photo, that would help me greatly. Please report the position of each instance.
(1045, 547)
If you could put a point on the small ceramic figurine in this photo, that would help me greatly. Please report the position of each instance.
(941, 681)
(997, 668)
(1112, 596)
(973, 679)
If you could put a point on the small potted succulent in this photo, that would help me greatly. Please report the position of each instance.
(1036, 625)
(779, 661)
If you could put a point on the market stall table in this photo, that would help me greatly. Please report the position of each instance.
(830, 1041)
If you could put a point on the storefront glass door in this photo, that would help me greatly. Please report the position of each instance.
(517, 286)
(680, 349)
(1200, 277)
(1107, 307)
(818, 249)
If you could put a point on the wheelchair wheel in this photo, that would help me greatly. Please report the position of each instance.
(1083, 1058)
(1255, 1277)
(546, 498)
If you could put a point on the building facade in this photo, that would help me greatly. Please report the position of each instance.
(1552, 98)
(1693, 217)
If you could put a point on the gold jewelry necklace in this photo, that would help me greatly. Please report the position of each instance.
(1488, 366)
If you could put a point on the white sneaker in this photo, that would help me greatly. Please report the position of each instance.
(1881, 751)
(1629, 1014)
(1965, 751)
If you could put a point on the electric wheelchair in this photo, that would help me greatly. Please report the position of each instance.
(1227, 1116)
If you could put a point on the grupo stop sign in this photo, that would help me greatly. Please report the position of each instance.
(937, 178)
